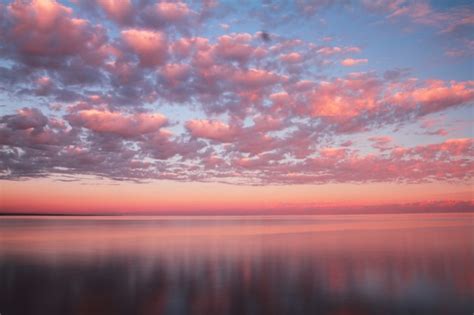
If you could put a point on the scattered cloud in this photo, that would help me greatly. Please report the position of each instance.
(349, 62)
(136, 91)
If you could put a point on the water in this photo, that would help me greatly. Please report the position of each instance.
(344, 264)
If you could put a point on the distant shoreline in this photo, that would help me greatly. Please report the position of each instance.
(10, 214)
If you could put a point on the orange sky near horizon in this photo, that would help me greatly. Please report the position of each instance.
(225, 108)
(104, 196)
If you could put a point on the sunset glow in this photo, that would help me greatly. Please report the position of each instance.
(320, 107)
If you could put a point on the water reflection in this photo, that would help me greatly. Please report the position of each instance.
(398, 264)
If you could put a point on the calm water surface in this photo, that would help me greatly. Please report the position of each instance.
(344, 264)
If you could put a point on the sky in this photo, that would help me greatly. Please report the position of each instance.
(236, 107)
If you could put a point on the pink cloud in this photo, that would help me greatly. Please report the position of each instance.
(255, 143)
(117, 10)
(253, 139)
(448, 149)
(293, 57)
(211, 129)
(103, 121)
(161, 145)
(256, 78)
(150, 46)
(151, 15)
(175, 72)
(329, 51)
(333, 153)
(421, 12)
(345, 97)
(45, 28)
(172, 11)
(272, 115)
(182, 47)
(434, 96)
(267, 123)
(381, 142)
(360, 101)
(264, 157)
(415, 164)
(255, 162)
(235, 47)
(349, 62)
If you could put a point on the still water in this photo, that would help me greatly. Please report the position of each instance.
(341, 264)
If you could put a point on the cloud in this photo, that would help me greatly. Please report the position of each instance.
(103, 121)
(246, 110)
(235, 47)
(26, 118)
(349, 62)
(421, 12)
(151, 47)
(293, 57)
(433, 96)
(112, 144)
(29, 129)
(42, 31)
(120, 11)
(362, 101)
(345, 98)
(211, 129)
(328, 51)
(255, 78)
(381, 143)
(172, 11)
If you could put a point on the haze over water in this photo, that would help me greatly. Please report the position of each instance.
(331, 264)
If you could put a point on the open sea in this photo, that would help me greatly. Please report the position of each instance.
(211, 265)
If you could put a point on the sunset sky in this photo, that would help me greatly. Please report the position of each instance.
(236, 107)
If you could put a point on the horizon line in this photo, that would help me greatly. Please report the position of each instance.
(197, 214)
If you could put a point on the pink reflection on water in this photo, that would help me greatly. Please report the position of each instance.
(293, 263)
